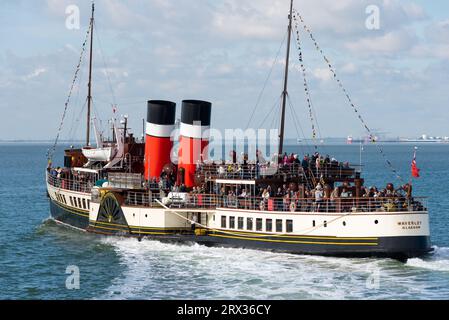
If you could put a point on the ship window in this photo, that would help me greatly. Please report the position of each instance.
(79, 203)
(289, 225)
(84, 204)
(232, 222)
(325, 224)
(64, 199)
(258, 224)
(278, 225)
(269, 225)
(223, 221)
(249, 224)
(313, 224)
(240, 223)
(88, 204)
(71, 201)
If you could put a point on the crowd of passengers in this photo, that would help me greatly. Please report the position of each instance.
(272, 198)
(315, 164)
(318, 199)
(70, 179)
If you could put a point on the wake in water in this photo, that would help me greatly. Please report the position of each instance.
(155, 270)
(437, 261)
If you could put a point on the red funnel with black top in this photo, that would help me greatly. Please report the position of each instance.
(193, 141)
(158, 143)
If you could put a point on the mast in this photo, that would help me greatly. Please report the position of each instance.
(89, 95)
(285, 92)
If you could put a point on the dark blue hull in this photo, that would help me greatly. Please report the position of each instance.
(392, 247)
(69, 216)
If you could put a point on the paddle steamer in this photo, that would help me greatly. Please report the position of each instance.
(131, 187)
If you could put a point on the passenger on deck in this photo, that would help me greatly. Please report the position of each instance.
(265, 195)
(286, 202)
(296, 160)
(305, 163)
(318, 164)
(318, 197)
(345, 193)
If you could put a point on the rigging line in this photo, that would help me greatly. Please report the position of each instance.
(346, 93)
(306, 84)
(275, 122)
(74, 118)
(308, 148)
(114, 101)
(266, 82)
(77, 122)
(66, 105)
(297, 121)
(268, 114)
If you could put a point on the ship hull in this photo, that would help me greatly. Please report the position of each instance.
(400, 248)
(69, 216)
(163, 225)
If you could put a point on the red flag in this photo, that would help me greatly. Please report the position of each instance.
(415, 169)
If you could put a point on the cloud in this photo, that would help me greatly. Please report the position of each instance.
(222, 51)
(322, 74)
(36, 73)
(389, 43)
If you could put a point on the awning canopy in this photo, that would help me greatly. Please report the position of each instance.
(86, 170)
(230, 181)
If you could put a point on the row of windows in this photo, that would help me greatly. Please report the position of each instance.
(61, 198)
(80, 203)
(279, 224)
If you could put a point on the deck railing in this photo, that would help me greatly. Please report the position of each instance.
(69, 184)
(257, 171)
(345, 205)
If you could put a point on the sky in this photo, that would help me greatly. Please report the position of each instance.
(222, 51)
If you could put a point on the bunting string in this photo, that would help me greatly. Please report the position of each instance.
(66, 105)
(297, 16)
(305, 83)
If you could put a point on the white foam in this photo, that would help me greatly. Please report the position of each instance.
(155, 270)
(437, 261)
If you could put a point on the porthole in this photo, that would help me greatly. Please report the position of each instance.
(344, 223)
(146, 216)
(376, 221)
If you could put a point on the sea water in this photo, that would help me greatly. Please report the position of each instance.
(35, 252)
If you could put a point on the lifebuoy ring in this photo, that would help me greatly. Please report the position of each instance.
(292, 207)
(262, 205)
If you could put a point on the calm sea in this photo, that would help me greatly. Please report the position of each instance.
(35, 252)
